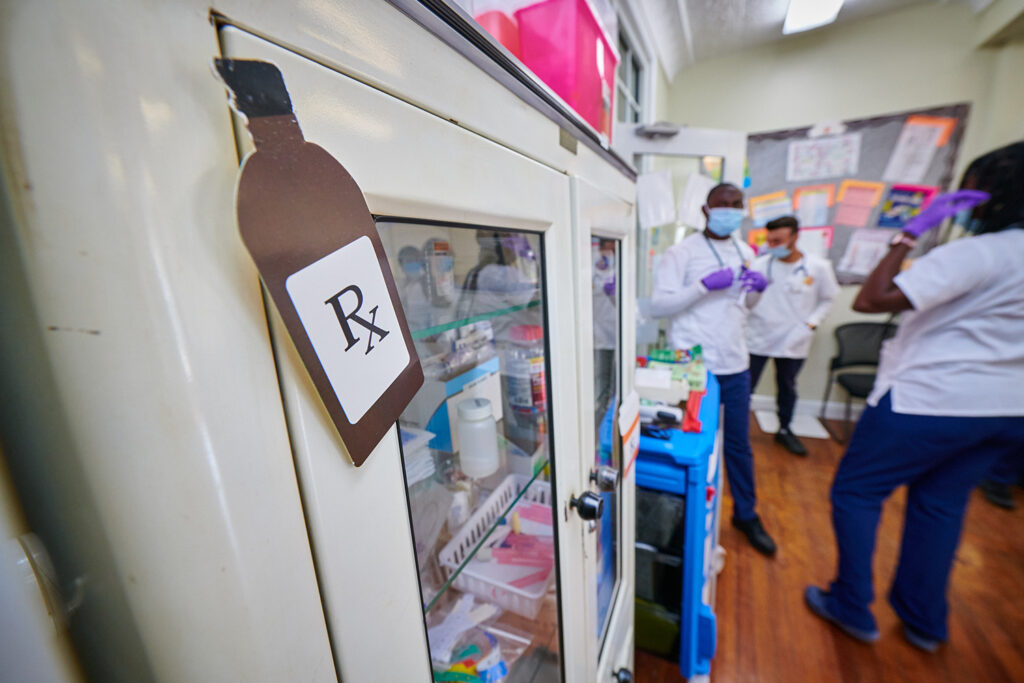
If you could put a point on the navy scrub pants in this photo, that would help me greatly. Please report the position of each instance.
(786, 370)
(739, 459)
(940, 459)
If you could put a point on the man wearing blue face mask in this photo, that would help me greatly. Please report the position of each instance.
(705, 286)
(782, 324)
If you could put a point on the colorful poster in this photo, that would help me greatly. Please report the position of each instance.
(915, 148)
(857, 199)
(756, 239)
(769, 206)
(812, 203)
(903, 203)
(864, 250)
(816, 158)
(815, 241)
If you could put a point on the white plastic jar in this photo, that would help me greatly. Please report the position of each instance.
(478, 438)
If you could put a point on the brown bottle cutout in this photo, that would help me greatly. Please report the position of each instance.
(304, 221)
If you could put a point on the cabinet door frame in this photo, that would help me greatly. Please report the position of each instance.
(413, 164)
(598, 212)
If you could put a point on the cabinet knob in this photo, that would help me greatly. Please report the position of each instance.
(605, 478)
(588, 506)
(623, 676)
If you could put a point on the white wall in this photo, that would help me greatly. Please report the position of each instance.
(918, 57)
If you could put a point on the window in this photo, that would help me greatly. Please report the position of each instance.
(628, 80)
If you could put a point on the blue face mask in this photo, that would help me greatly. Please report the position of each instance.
(964, 220)
(414, 269)
(723, 220)
(781, 251)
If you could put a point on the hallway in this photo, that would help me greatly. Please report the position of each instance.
(766, 634)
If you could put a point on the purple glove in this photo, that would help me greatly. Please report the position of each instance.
(941, 208)
(753, 281)
(720, 279)
(609, 286)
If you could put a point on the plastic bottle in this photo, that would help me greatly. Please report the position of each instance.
(525, 387)
(440, 262)
(478, 438)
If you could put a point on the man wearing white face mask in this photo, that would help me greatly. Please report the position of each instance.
(783, 323)
(705, 286)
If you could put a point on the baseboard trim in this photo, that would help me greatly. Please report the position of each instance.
(834, 410)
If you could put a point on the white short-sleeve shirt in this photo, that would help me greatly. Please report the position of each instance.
(716, 320)
(799, 294)
(960, 352)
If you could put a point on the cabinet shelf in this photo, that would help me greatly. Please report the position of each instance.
(454, 324)
(540, 468)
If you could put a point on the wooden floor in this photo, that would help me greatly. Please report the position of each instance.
(765, 633)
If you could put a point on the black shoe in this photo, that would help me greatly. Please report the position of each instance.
(1000, 495)
(756, 534)
(920, 640)
(790, 442)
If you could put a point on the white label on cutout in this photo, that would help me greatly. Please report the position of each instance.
(345, 308)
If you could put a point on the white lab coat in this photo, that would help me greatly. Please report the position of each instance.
(716, 320)
(799, 294)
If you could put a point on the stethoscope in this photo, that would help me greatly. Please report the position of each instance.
(799, 266)
(721, 263)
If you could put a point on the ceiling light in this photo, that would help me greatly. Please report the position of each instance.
(804, 15)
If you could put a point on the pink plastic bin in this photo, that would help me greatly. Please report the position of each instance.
(563, 44)
(503, 27)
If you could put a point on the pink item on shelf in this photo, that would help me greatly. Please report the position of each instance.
(533, 578)
(535, 513)
(563, 43)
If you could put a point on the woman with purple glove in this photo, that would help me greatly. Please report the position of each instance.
(704, 284)
(947, 402)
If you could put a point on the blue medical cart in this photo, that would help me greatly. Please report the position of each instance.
(678, 479)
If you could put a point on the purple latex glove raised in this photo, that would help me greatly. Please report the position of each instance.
(941, 208)
(753, 281)
(609, 286)
(720, 279)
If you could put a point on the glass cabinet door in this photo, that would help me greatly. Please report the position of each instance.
(476, 449)
(604, 282)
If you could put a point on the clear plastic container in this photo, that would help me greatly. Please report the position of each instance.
(525, 387)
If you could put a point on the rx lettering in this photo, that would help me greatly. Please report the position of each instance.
(345, 319)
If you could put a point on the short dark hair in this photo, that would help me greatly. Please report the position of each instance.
(721, 186)
(784, 222)
(1001, 174)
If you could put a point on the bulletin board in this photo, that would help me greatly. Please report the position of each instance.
(898, 160)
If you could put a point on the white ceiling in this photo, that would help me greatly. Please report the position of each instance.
(688, 31)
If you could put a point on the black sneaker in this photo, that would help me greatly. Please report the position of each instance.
(790, 442)
(756, 534)
(1000, 495)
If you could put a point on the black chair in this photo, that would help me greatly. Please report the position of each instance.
(860, 345)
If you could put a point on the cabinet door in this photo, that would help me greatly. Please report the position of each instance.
(605, 257)
(457, 525)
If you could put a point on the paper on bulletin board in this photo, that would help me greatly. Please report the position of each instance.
(817, 158)
(920, 138)
(864, 250)
(769, 207)
(655, 202)
(815, 241)
(857, 199)
(812, 203)
(629, 428)
(695, 195)
(903, 203)
(756, 239)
